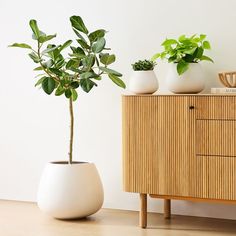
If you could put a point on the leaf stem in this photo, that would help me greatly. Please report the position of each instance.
(46, 71)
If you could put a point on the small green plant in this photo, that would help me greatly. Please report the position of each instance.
(185, 50)
(83, 67)
(143, 65)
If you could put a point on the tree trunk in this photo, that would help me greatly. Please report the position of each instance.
(71, 130)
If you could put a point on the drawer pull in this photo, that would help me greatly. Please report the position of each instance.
(191, 107)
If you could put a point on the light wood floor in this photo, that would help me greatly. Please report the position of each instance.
(24, 219)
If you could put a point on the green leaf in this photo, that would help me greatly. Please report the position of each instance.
(79, 35)
(65, 45)
(83, 44)
(182, 66)
(34, 57)
(169, 42)
(87, 84)
(206, 58)
(78, 50)
(68, 93)
(60, 62)
(206, 45)
(75, 84)
(182, 38)
(56, 71)
(117, 81)
(199, 52)
(190, 51)
(44, 38)
(50, 49)
(97, 78)
(192, 37)
(35, 29)
(40, 81)
(99, 45)
(172, 59)
(38, 68)
(59, 91)
(88, 61)
(88, 75)
(74, 95)
(48, 85)
(155, 56)
(107, 59)
(48, 63)
(202, 37)
(110, 71)
(20, 45)
(94, 36)
(72, 64)
(163, 55)
(77, 23)
(196, 40)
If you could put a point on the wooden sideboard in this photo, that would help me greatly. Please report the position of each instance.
(179, 147)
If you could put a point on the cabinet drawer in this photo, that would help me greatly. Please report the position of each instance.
(216, 137)
(215, 107)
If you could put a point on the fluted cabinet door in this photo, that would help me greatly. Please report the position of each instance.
(175, 128)
(140, 144)
(157, 143)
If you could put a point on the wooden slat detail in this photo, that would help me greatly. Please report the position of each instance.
(173, 145)
(161, 140)
(140, 144)
(222, 178)
(215, 107)
(216, 137)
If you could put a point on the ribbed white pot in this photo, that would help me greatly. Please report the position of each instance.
(191, 81)
(68, 191)
(143, 82)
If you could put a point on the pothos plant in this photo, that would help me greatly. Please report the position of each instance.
(185, 50)
(86, 64)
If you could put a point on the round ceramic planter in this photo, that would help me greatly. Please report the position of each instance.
(69, 191)
(191, 81)
(143, 82)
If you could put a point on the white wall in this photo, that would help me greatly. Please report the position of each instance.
(34, 126)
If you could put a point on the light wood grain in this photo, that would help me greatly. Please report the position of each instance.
(25, 219)
(167, 208)
(170, 149)
(143, 211)
(193, 199)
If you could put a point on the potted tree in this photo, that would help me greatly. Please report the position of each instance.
(70, 189)
(143, 79)
(185, 74)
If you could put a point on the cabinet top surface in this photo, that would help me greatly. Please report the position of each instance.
(194, 95)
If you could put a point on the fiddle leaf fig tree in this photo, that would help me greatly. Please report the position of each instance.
(88, 61)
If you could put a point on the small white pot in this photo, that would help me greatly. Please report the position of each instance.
(191, 81)
(68, 191)
(143, 82)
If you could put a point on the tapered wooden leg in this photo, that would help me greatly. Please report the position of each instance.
(167, 208)
(143, 211)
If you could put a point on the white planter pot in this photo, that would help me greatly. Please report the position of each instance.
(68, 191)
(143, 82)
(191, 81)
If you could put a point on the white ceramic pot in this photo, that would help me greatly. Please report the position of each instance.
(191, 81)
(143, 82)
(69, 191)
